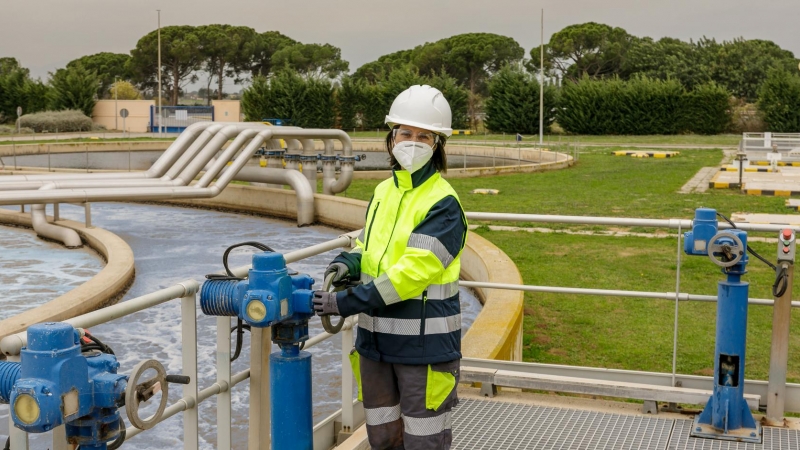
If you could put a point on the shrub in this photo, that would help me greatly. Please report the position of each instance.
(513, 106)
(9, 129)
(74, 88)
(306, 101)
(57, 121)
(779, 101)
(707, 109)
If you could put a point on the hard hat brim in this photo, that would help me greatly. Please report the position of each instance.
(393, 121)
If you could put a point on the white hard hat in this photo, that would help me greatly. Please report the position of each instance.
(422, 107)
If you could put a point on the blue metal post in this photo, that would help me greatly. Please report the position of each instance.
(726, 415)
(290, 385)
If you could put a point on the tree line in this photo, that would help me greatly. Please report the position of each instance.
(487, 78)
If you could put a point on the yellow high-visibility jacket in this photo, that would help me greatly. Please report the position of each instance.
(410, 249)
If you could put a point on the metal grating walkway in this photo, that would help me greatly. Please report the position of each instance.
(494, 425)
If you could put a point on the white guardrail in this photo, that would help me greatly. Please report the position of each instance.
(351, 413)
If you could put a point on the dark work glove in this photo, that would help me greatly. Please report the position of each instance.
(325, 303)
(339, 271)
(347, 267)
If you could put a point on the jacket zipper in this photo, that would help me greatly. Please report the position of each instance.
(369, 230)
(422, 321)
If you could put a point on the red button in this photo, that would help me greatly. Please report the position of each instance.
(787, 234)
(785, 249)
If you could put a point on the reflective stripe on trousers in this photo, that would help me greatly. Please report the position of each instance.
(395, 422)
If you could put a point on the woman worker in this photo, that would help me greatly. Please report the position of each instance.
(408, 260)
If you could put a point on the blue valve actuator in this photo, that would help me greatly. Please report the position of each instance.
(267, 297)
(704, 227)
(57, 384)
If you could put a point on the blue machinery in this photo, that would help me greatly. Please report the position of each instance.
(60, 382)
(271, 297)
(726, 415)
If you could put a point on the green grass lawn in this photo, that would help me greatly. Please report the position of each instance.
(620, 332)
(680, 139)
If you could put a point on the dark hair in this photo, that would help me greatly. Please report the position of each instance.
(439, 156)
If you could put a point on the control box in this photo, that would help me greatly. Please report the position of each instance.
(786, 245)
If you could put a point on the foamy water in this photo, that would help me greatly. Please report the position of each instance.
(34, 271)
(173, 244)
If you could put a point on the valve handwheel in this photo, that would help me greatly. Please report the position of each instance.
(728, 252)
(137, 392)
(327, 285)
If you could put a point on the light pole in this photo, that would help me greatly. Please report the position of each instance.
(159, 72)
(116, 110)
(541, 85)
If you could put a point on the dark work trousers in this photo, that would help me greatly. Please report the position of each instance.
(394, 403)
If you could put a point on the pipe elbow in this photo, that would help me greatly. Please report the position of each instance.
(339, 185)
(43, 228)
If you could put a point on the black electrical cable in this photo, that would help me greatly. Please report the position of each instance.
(749, 249)
(96, 344)
(781, 281)
(117, 443)
(781, 274)
(240, 325)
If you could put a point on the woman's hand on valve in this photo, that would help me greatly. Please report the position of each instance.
(340, 273)
(325, 303)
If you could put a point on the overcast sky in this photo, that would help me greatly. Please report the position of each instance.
(46, 34)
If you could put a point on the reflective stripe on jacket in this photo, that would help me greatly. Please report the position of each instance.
(410, 261)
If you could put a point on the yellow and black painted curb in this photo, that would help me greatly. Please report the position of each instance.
(718, 185)
(746, 169)
(462, 132)
(634, 154)
(795, 206)
(772, 192)
(780, 163)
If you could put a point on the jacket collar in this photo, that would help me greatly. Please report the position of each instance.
(405, 181)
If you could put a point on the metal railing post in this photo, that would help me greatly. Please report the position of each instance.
(87, 211)
(677, 301)
(224, 376)
(189, 351)
(779, 354)
(258, 433)
(60, 438)
(348, 420)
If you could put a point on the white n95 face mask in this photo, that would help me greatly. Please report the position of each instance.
(412, 155)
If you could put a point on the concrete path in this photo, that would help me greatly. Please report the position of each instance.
(700, 182)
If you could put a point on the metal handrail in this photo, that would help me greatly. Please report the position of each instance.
(11, 345)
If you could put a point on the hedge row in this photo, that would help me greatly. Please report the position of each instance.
(642, 106)
(315, 103)
(638, 107)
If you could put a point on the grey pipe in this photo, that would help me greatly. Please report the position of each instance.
(178, 166)
(197, 164)
(51, 231)
(309, 161)
(155, 171)
(335, 186)
(218, 164)
(293, 178)
(292, 148)
(183, 180)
